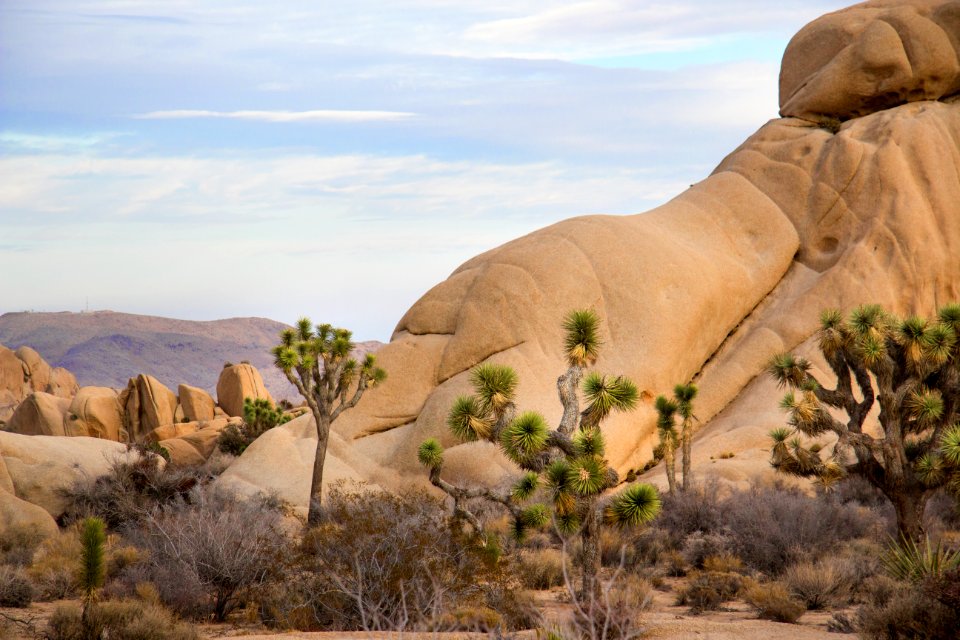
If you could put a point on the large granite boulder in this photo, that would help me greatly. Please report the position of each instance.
(148, 404)
(802, 216)
(96, 412)
(196, 403)
(239, 381)
(872, 56)
(40, 414)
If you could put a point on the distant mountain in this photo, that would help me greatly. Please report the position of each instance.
(105, 348)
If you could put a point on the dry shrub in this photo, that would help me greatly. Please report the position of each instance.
(18, 544)
(690, 511)
(391, 562)
(618, 547)
(911, 614)
(615, 614)
(541, 569)
(707, 590)
(773, 602)
(878, 590)
(700, 546)
(475, 619)
(946, 588)
(54, 568)
(724, 563)
(821, 584)
(205, 556)
(650, 544)
(130, 491)
(674, 563)
(772, 527)
(16, 590)
(118, 620)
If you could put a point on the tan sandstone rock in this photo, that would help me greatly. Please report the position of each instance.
(197, 404)
(870, 57)
(20, 517)
(148, 404)
(40, 414)
(191, 443)
(239, 381)
(41, 467)
(96, 412)
(708, 286)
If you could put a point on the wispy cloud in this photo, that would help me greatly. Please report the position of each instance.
(321, 115)
(19, 141)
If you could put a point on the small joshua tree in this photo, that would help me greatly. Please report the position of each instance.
(568, 462)
(318, 363)
(93, 570)
(667, 409)
(259, 416)
(911, 367)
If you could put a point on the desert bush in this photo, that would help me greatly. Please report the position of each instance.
(699, 546)
(129, 492)
(614, 613)
(911, 614)
(16, 590)
(878, 590)
(18, 544)
(945, 588)
(476, 619)
(118, 620)
(383, 561)
(724, 563)
(772, 527)
(259, 416)
(205, 555)
(773, 601)
(54, 568)
(650, 544)
(674, 563)
(707, 590)
(819, 584)
(618, 547)
(943, 512)
(694, 510)
(541, 569)
(854, 489)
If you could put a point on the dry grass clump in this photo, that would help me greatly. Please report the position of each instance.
(541, 568)
(708, 590)
(118, 620)
(821, 584)
(908, 614)
(18, 544)
(615, 614)
(773, 602)
(16, 590)
(54, 572)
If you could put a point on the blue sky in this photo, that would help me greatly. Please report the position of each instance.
(212, 159)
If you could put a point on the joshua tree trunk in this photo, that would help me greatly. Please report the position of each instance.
(670, 465)
(687, 444)
(316, 482)
(590, 553)
(909, 506)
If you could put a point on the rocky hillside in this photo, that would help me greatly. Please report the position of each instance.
(106, 349)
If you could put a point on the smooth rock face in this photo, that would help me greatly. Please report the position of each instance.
(41, 467)
(239, 381)
(148, 404)
(40, 414)
(196, 403)
(872, 56)
(20, 516)
(96, 412)
(707, 287)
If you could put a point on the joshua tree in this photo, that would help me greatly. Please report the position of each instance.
(318, 363)
(568, 462)
(667, 409)
(911, 368)
(93, 537)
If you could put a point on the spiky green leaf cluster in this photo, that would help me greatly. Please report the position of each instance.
(581, 337)
(467, 420)
(430, 454)
(916, 562)
(587, 476)
(637, 504)
(525, 437)
(589, 442)
(605, 395)
(495, 386)
(93, 538)
(526, 486)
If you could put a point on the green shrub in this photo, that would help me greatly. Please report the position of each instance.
(773, 601)
(16, 590)
(259, 416)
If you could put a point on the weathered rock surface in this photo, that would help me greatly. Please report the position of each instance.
(40, 414)
(23, 372)
(21, 516)
(872, 56)
(41, 467)
(710, 285)
(239, 381)
(148, 404)
(196, 403)
(96, 412)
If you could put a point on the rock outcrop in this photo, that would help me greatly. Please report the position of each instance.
(239, 381)
(148, 404)
(23, 372)
(96, 412)
(40, 414)
(196, 403)
(806, 214)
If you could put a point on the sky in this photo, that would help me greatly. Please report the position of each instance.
(209, 159)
